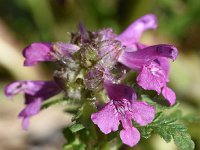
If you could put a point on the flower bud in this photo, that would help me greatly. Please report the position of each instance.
(108, 53)
(94, 79)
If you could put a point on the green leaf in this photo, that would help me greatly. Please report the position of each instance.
(75, 145)
(168, 128)
(84, 113)
(145, 132)
(155, 104)
(69, 136)
(183, 141)
(158, 115)
(164, 133)
(73, 140)
(76, 127)
(179, 134)
(161, 119)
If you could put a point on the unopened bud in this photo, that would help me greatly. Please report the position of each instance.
(108, 53)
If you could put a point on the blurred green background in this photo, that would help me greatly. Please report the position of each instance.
(25, 21)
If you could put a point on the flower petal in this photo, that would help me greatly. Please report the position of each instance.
(37, 52)
(155, 51)
(164, 67)
(28, 87)
(154, 75)
(135, 47)
(169, 95)
(14, 88)
(40, 87)
(126, 59)
(148, 81)
(142, 113)
(106, 118)
(140, 57)
(31, 109)
(25, 123)
(130, 136)
(119, 92)
(83, 32)
(32, 89)
(133, 33)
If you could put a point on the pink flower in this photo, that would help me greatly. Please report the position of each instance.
(123, 107)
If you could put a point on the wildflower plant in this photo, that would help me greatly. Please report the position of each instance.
(107, 78)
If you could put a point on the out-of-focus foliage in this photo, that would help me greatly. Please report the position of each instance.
(180, 19)
(50, 20)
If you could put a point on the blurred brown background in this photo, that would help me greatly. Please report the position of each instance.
(25, 21)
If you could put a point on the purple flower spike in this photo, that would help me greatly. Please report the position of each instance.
(37, 52)
(133, 33)
(35, 92)
(123, 107)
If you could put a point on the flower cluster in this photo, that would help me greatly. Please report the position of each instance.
(99, 61)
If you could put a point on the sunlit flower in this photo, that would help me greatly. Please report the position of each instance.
(124, 107)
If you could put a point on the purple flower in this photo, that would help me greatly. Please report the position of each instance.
(90, 59)
(149, 61)
(35, 92)
(37, 52)
(124, 107)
